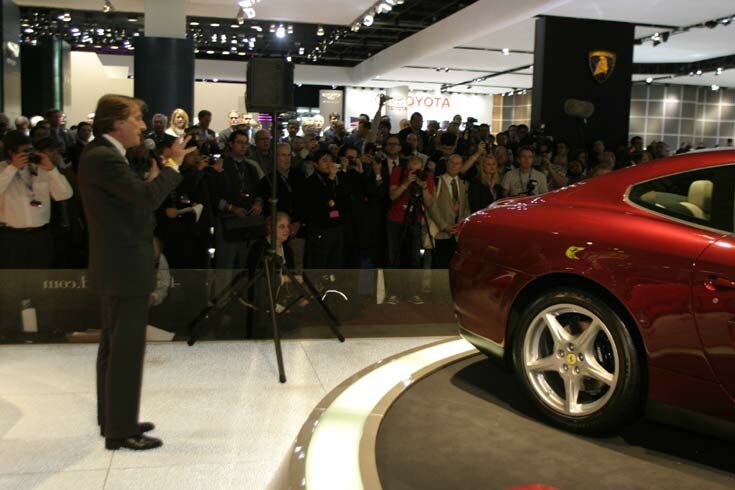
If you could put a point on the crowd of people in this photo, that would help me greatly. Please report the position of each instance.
(372, 196)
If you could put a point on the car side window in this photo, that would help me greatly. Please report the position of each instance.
(703, 197)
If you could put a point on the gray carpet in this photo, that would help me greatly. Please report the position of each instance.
(468, 426)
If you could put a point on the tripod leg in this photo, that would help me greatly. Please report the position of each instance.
(269, 272)
(224, 298)
(309, 291)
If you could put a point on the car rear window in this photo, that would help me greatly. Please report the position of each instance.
(703, 197)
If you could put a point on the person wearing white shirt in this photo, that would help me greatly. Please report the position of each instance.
(28, 183)
(450, 206)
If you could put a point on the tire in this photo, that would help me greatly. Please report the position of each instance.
(571, 342)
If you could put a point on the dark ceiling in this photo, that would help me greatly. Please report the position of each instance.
(224, 38)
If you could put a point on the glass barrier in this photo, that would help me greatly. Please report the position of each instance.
(62, 306)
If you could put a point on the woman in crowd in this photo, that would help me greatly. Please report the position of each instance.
(485, 187)
(179, 122)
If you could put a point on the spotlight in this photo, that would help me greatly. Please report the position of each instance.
(715, 88)
(301, 51)
(384, 7)
(355, 27)
(320, 31)
(718, 71)
(691, 73)
(506, 51)
(289, 29)
(368, 20)
(288, 58)
(241, 16)
(107, 7)
(649, 80)
(272, 28)
(725, 21)
(699, 73)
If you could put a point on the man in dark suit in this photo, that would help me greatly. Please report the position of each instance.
(119, 207)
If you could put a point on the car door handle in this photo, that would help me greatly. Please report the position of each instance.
(717, 283)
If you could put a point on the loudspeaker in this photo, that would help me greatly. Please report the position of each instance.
(270, 85)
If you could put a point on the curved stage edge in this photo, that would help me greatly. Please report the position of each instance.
(444, 416)
(336, 446)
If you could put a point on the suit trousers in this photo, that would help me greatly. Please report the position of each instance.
(120, 364)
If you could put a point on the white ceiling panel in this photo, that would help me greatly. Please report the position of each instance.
(477, 60)
(519, 36)
(695, 45)
(659, 12)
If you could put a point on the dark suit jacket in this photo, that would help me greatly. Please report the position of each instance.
(119, 207)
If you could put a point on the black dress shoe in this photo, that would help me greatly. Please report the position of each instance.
(142, 427)
(136, 443)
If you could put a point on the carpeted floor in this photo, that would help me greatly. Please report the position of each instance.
(468, 426)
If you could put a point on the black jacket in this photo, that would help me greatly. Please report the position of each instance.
(119, 208)
(319, 190)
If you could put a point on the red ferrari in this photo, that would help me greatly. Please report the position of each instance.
(611, 296)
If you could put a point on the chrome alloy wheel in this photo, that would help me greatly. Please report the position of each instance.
(570, 359)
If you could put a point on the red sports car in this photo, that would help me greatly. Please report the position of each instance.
(613, 295)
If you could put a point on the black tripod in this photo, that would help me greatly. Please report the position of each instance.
(240, 283)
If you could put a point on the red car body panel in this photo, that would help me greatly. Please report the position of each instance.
(656, 267)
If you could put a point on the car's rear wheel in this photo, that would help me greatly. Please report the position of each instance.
(576, 359)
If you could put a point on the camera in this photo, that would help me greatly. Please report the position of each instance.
(471, 121)
(531, 186)
(420, 174)
(33, 157)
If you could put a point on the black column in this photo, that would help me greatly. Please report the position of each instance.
(45, 76)
(568, 65)
(10, 66)
(164, 74)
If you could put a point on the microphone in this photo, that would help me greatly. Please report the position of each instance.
(149, 144)
(579, 108)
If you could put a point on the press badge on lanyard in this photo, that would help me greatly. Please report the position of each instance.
(334, 213)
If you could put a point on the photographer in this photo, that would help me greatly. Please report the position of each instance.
(411, 190)
(324, 201)
(240, 218)
(525, 180)
(28, 183)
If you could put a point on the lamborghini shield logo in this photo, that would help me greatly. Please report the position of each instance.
(602, 64)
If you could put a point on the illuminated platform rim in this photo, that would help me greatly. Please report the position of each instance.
(335, 448)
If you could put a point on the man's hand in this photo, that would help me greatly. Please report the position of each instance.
(219, 165)
(45, 162)
(481, 148)
(172, 213)
(256, 209)
(19, 160)
(154, 172)
(179, 150)
(449, 229)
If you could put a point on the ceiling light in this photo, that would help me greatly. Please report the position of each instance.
(257, 28)
(506, 51)
(355, 27)
(192, 23)
(384, 7)
(214, 24)
(649, 80)
(280, 32)
(289, 29)
(726, 20)
(241, 16)
(368, 19)
(699, 73)
(272, 28)
(718, 71)
(107, 7)
(715, 88)
(288, 58)
(320, 31)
